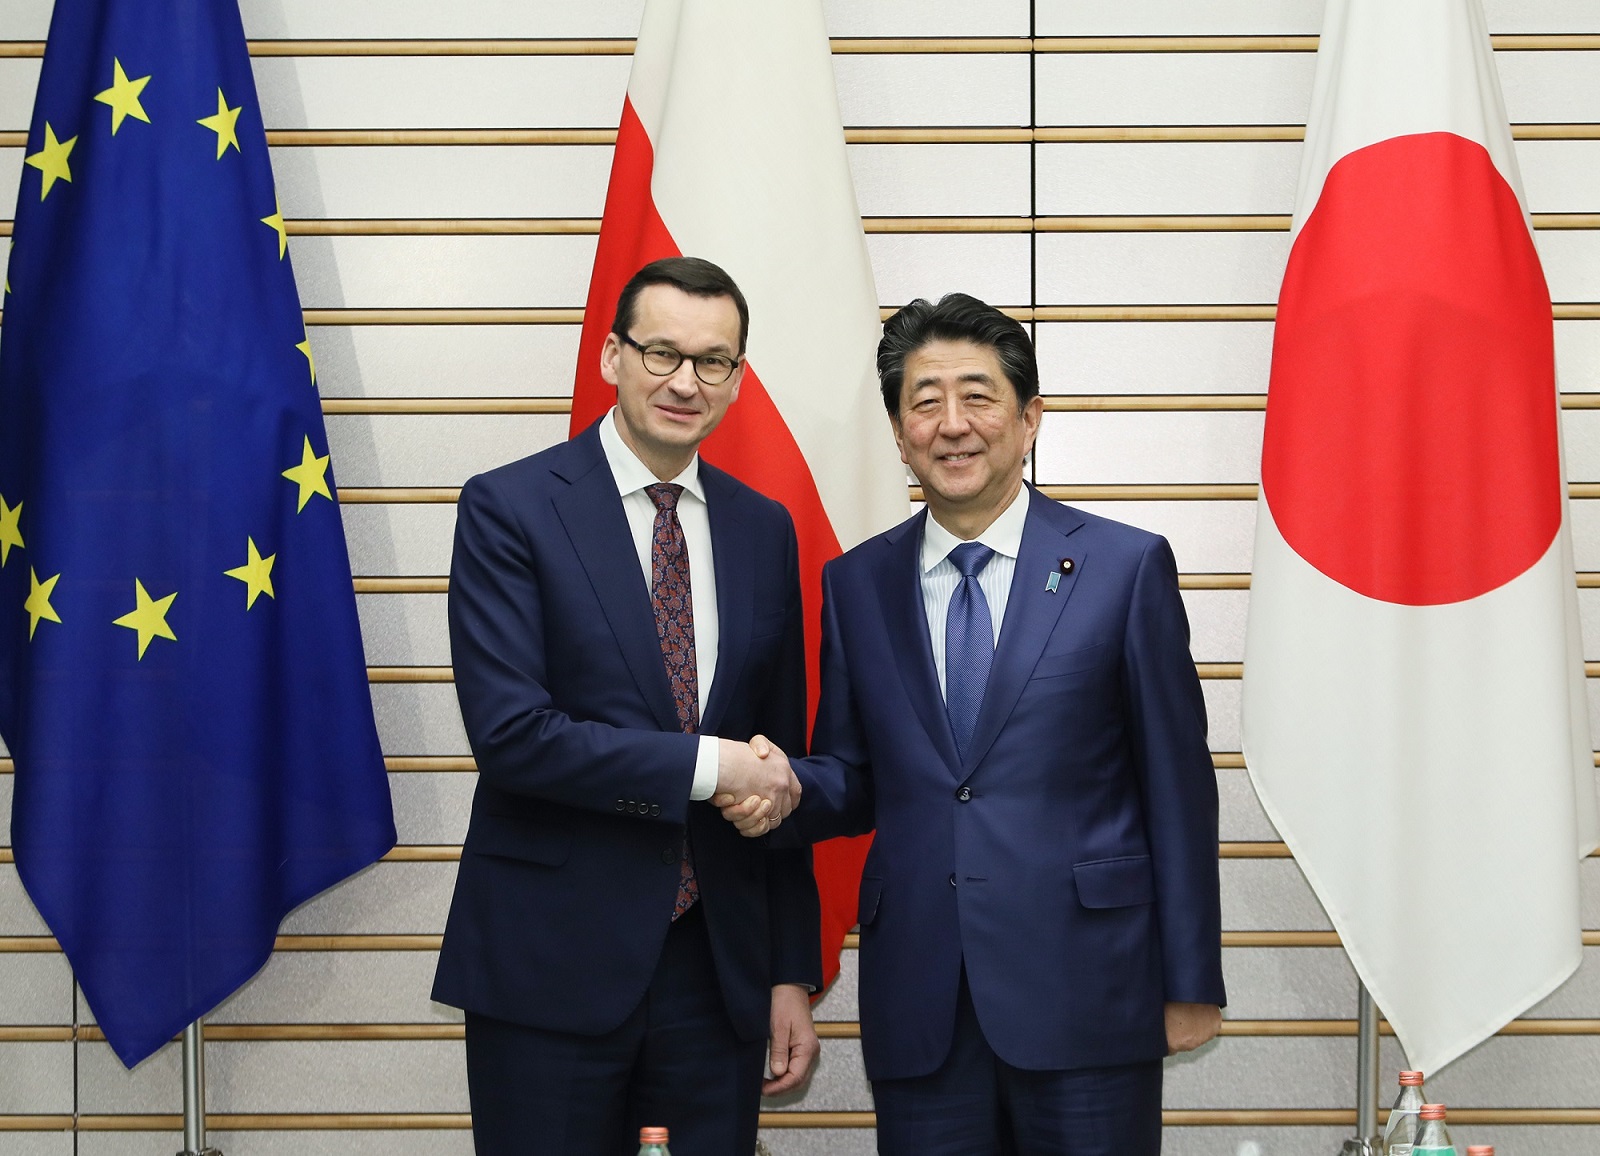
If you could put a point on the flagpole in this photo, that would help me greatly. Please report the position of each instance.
(194, 1094)
(1365, 1142)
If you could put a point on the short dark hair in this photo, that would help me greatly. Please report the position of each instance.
(957, 317)
(691, 275)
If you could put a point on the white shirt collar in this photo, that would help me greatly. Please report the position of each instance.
(633, 475)
(1003, 535)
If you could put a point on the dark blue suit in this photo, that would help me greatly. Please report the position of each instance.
(571, 862)
(1069, 862)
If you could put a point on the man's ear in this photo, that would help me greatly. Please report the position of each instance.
(1032, 415)
(899, 437)
(609, 353)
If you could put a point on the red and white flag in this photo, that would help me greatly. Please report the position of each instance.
(730, 148)
(1414, 711)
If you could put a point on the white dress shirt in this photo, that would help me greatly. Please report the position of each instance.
(940, 576)
(632, 476)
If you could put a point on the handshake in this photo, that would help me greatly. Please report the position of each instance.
(756, 789)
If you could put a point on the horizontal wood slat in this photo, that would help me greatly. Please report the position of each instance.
(35, 1123)
(436, 584)
(424, 853)
(430, 763)
(23, 944)
(443, 1121)
(1053, 403)
(415, 674)
(826, 1029)
(451, 852)
(1563, 311)
(298, 1122)
(840, 45)
(589, 226)
(443, 405)
(950, 134)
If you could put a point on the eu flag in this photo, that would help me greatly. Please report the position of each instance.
(182, 684)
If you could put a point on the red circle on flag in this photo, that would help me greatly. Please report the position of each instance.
(1411, 449)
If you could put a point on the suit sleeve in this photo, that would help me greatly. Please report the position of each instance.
(523, 744)
(795, 911)
(1176, 779)
(836, 781)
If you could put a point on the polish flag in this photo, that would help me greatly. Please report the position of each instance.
(730, 148)
(1415, 720)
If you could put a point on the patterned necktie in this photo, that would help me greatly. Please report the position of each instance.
(968, 643)
(669, 596)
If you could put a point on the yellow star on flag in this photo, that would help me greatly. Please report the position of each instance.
(256, 574)
(305, 348)
(148, 617)
(311, 475)
(52, 159)
(224, 123)
(123, 97)
(275, 222)
(38, 603)
(10, 529)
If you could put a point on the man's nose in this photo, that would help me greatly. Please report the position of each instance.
(953, 417)
(682, 380)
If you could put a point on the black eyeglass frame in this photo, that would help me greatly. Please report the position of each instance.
(682, 357)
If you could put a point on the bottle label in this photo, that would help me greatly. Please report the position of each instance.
(1447, 1150)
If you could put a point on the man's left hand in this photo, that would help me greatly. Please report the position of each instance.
(1191, 1024)
(794, 1040)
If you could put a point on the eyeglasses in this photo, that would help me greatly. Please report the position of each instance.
(663, 361)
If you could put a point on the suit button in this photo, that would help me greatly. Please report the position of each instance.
(633, 808)
(622, 804)
(952, 878)
(964, 795)
(671, 855)
(655, 809)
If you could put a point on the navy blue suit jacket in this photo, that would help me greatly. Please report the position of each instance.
(571, 861)
(1071, 859)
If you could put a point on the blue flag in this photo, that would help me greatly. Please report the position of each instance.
(182, 684)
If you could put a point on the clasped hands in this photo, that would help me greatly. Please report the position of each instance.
(756, 788)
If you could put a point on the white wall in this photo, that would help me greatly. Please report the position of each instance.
(1021, 167)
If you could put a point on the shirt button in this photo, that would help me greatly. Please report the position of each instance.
(964, 795)
(672, 855)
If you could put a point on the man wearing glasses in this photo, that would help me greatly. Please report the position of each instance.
(622, 954)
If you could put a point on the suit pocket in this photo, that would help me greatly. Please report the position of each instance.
(506, 837)
(867, 907)
(768, 626)
(1122, 882)
(1071, 662)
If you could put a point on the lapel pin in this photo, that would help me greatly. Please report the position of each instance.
(1066, 565)
(1052, 582)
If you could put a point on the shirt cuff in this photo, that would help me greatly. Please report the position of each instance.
(705, 770)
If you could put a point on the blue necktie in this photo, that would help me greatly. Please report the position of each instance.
(968, 643)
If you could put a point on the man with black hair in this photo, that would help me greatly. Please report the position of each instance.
(1009, 699)
(623, 957)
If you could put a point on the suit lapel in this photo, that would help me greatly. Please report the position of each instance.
(735, 592)
(1032, 611)
(899, 582)
(591, 511)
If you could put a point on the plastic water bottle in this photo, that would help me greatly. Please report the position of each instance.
(1433, 1138)
(1401, 1132)
(653, 1142)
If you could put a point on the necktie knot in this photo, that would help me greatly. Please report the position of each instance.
(664, 495)
(970, 558)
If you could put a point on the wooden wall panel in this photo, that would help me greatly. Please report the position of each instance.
(979, 166)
